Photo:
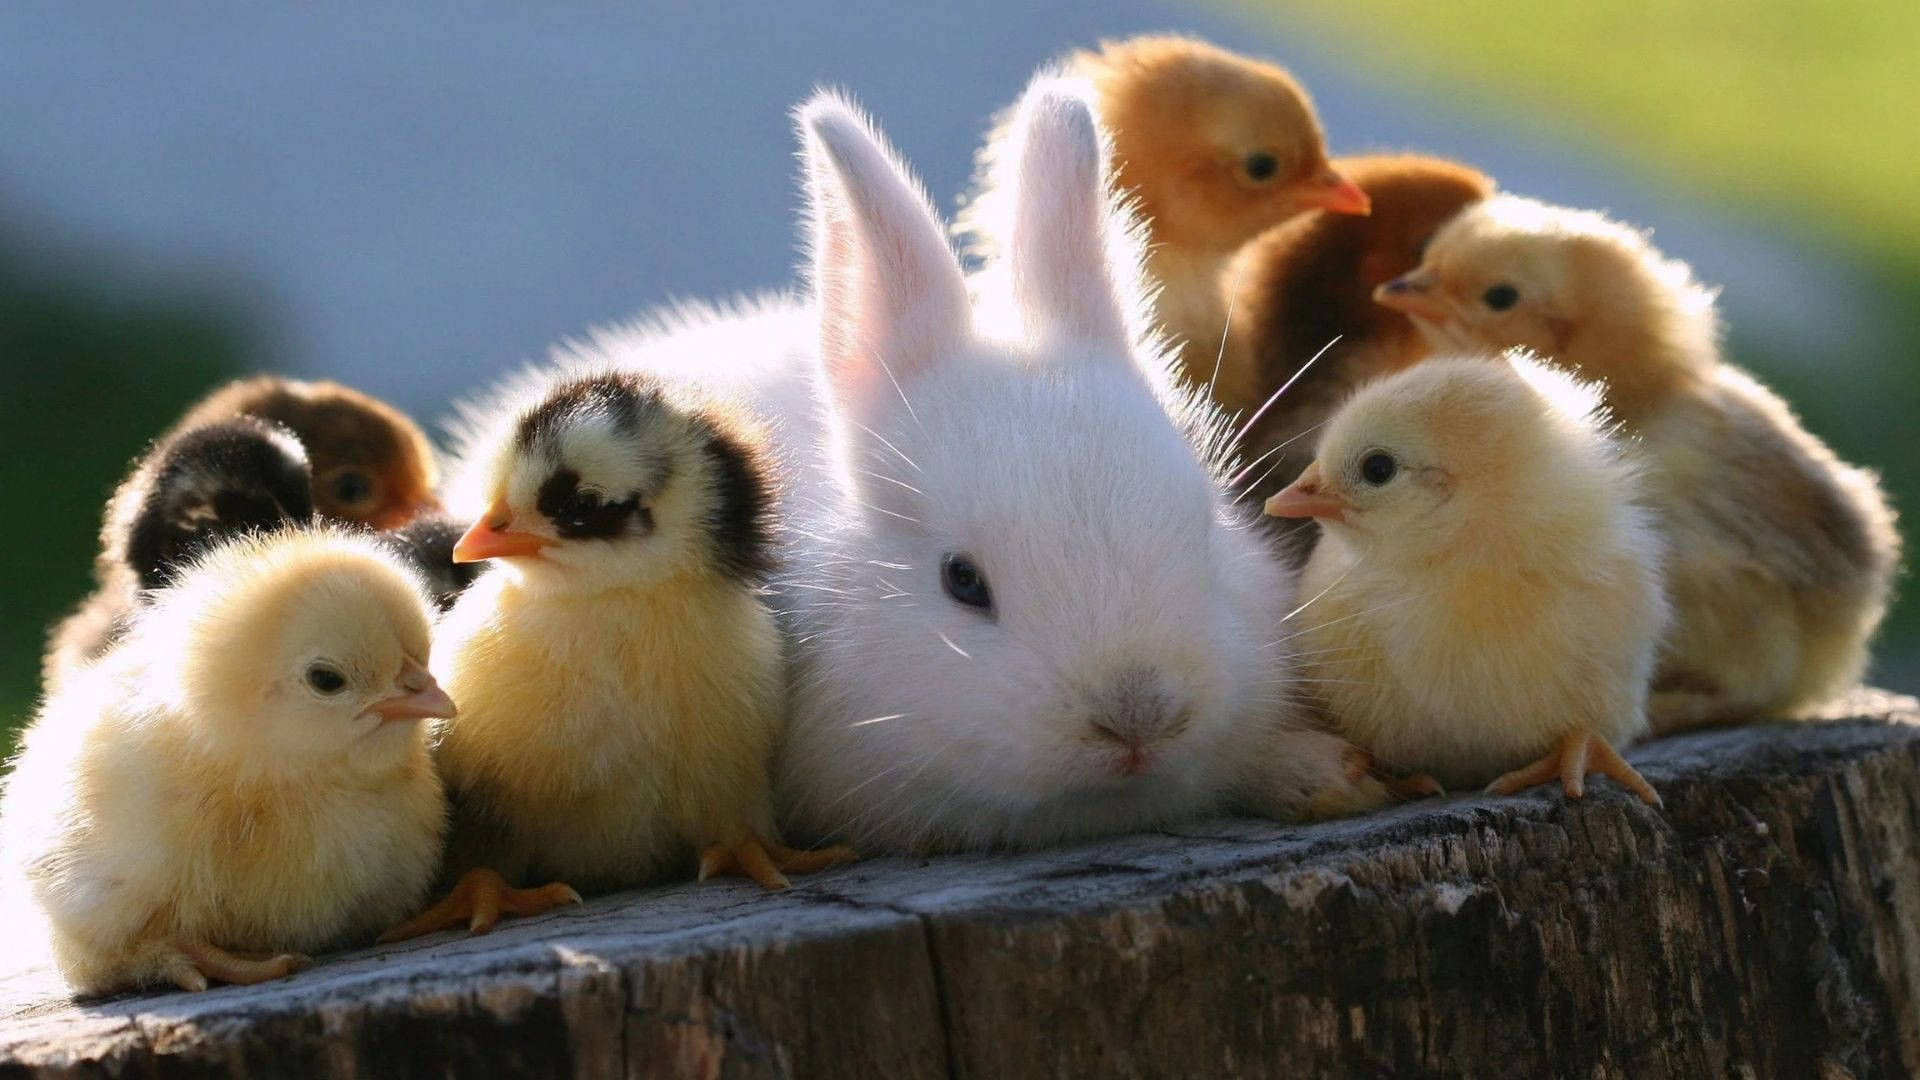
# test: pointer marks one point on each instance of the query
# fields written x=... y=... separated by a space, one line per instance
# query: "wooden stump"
x=1767 y=924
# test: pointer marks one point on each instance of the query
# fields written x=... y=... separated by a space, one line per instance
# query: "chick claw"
x=1361 y=764
x=479 y=899
x=194 y=962
x=750 y=858
x=1569 y=762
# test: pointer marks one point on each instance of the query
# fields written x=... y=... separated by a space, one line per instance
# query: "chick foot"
x=1570 y=763
x=193 y=962
x=1350 y=788
x=1408 y=786
x=479 y=899
x=764 y=864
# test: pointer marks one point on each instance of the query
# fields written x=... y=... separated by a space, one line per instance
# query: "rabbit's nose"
x=1137 y=707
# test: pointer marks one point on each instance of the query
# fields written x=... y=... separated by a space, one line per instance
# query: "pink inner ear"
x=890 y=290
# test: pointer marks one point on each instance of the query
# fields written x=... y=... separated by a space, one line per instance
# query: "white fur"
x=1035 y=430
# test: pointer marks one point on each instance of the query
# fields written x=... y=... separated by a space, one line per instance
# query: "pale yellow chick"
x=244 y=777
x=1485 y=595
x=621 y=679
x=1781 y=555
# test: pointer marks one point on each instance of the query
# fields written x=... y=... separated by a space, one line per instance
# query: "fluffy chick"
x=1782 y=556
x=242 y=778
x=1486 y=591
x=1214 y=146
x=1306 y=286
x=371 y=464
x=621 y=679
x=192 y=490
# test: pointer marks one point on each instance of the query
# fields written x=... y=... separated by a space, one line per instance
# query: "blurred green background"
x=1794 y=119
x=92 y=372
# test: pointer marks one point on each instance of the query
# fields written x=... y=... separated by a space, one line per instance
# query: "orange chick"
x=1781 y=555
x=1214 y=147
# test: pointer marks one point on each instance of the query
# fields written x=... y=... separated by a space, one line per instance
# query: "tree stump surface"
x=1765 y=924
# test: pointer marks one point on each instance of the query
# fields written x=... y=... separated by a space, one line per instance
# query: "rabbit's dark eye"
x=1261 y=165
x=1378 y=467
x=964 y=582
x=1500 y=297
x=326 y=679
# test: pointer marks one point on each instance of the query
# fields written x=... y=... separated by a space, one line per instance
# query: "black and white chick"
x=620 y=675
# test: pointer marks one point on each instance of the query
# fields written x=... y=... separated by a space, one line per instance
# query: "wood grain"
x=1766 y=924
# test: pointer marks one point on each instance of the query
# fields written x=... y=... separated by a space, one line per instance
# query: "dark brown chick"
x=1309 y=282
x=360 y=460
x=195 y=488
x=371 y=464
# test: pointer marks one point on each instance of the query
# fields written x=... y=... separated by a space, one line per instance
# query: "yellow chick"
x=1781 y=556
x=1214 y=147
x=1486 y=593
x=621 y=679
x=242 y=778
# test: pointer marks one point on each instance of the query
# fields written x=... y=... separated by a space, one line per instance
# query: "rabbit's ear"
x=892 y=299
x=1073 y=266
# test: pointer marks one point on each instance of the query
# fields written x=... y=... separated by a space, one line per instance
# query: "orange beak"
x=1306 y=499
x=1411 y=294
x=489 y=538
x=419 y=697
x=1330 y=190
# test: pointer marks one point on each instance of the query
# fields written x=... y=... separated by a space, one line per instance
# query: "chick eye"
x=585 y=505
x=1261 y=165
x=326 y=679
x=1378 y=467
x=964 y=581
x=1500 y=297
x=352 y=487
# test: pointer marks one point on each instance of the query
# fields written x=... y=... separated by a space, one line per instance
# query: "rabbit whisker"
x=954 y=647
x=891 y=480
x=1284 y=387
x=902 y=393
x=1226 y=324
x=887 y=443
x=891 y=513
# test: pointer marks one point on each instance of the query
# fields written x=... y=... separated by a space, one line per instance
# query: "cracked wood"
x=1767 y=924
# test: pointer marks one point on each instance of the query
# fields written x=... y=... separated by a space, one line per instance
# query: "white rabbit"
x=1022 y=608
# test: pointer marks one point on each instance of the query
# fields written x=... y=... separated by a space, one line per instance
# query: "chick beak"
x=419 y=697
x=490 y=538
x=1411 y=294
x=1330 y=190
x=1306 y=499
